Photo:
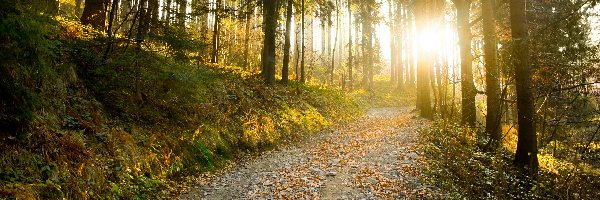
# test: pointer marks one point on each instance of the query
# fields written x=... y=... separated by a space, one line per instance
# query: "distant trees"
x=368 y=16
x=494 y=49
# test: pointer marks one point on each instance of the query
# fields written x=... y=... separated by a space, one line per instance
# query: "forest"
x=299 y=99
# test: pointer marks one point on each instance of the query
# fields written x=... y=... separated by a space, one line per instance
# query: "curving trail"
x=374 y=157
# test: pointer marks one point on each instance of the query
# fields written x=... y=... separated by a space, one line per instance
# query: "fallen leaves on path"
x=372 y=158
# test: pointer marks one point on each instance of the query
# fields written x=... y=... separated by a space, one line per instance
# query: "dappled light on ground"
x=373 y=157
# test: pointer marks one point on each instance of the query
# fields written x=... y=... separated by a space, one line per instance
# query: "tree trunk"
x=182 y=12
x=297 y=54
x=249 y=10
x=270 y=29
x=393 y=56
x=400 y=18
x=94 y=14
x=423 y=63
x=350 y=58
x=492 y=73
x=113 y=12
x=464 y=39
x=153 y=14
x=410 y=66
x=168 y=11
x=335 y=41
x=432 y=83
x=78 y=7
x=442 y=81
x=323 y=38
x=367 y=44
x=142 y=21
x=302 y=71
x=216 y=31
x=328 y=33
x=287 y=45
x=526 y=156
x=127 y=11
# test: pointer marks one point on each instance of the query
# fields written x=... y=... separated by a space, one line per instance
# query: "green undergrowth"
x=384 y=94
x=458 y=164
x=78 y=126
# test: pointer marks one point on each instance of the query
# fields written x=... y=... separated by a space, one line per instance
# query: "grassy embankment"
x=78 y=126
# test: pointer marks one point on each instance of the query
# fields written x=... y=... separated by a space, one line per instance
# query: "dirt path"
x=374 y=157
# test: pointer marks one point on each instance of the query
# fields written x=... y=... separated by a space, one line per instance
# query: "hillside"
x=78 y=126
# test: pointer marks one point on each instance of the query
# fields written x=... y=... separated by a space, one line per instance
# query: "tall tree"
x=287 y=45
x=142 y=26
x=368 y=17
x=113 y=12
x=335 y=40
x=153 y=8
x=94 y=13
x=126 y=14
x=270 y=29
x=216 y=33
x=492 y=73
x=182 y=12
x=400 y=44
x=423 y=13
x=302 y=70
x=350 y=76
x=167 y=11
x=526 y=159
x=410 y=61
x=249 y=12
x=463 y=8
x=394 y=57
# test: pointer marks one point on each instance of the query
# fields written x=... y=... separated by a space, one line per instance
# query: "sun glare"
x=429 y=39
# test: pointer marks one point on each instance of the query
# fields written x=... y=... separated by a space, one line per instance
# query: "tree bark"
x=464 y=39
x=94 y=14
x=78 y=7
x=125 y=14
x=410 y=59
x=142 y=21
x=424 y=64
x=335 y=41
x=270 y=29
x=367 y=41
x=182 y=12
x=216 y=31
x=249 y=10
x=393 y=56
x=350 y=58
x=153 y=14
x=526 y=156
x=400 y=18
x=287 y=45
x=113 y=12
x=168 y=11
x=302 y=71
x=492 y=73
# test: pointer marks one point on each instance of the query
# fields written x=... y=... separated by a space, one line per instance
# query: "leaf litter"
x=374 y=157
